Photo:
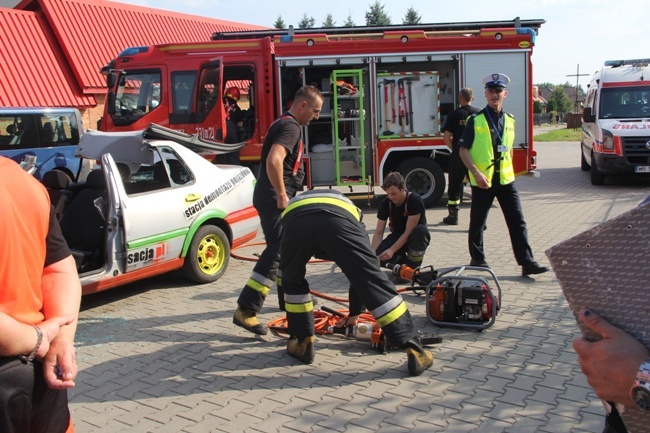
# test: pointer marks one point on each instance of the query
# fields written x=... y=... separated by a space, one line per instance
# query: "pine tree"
x=329 y=21
x=411 y=17
x=349 y=22
x=279 y=23
x=376 y=16
x=306 y=22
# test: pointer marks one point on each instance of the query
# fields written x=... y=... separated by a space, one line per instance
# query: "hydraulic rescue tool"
x=455 y=298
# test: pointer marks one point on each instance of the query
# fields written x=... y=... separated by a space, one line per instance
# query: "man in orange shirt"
x=40 y=295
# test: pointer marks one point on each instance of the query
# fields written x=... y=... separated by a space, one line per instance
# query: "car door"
x=154 y=206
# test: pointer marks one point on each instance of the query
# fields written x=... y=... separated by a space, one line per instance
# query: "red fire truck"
x=387 y=92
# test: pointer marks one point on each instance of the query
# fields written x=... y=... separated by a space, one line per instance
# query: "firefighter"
x=486 y=150
x=405 y=214
x=234 y=126
x=280 y=176
x=454 y=126
x=326 y=224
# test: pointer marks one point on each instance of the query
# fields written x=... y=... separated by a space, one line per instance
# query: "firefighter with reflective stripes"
x=326 y=224
x=486 y=150
x=281 y=175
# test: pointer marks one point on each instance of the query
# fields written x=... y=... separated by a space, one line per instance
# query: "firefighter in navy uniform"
x=486 y=150
x=326 y=224
x=281 y=175
x=234 y=121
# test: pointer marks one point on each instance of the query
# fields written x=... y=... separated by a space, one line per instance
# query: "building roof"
x=73 y=39
x=29 y=47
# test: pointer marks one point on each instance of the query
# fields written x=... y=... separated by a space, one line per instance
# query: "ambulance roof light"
x=635 y=62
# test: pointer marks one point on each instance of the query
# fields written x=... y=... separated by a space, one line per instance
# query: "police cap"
x=496 y=81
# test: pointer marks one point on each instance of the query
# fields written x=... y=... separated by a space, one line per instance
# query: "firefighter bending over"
x=404 y=211
x=328 y=225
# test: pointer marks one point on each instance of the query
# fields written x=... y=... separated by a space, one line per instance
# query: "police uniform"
x=327 y=224
x=489 y=136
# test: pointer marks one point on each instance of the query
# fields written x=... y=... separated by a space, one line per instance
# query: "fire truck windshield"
x=137 y=94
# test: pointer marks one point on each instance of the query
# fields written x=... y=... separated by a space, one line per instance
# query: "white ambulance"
x=616 y=120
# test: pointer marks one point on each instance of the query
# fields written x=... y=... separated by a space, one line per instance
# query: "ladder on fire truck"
x=367 y=32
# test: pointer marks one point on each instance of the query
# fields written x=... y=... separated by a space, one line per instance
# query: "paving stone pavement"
x=164 y=356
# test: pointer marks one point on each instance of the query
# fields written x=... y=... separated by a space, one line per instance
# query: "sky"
x=578 y=36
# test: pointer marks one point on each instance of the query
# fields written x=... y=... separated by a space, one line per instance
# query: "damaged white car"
x=154 y=205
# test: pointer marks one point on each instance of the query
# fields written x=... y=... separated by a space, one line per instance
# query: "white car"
x=153 y=206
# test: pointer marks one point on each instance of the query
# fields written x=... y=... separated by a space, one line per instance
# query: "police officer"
x=281 y=175
x=328 y=225
x=454 y=127
x=486 y=150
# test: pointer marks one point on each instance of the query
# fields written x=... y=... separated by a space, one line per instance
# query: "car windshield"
x=625 y=102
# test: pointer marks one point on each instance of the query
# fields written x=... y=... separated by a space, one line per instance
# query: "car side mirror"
x=587 y=115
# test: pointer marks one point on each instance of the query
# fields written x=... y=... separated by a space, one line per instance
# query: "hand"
x=59 y=365
x=482 y=181
x=386 y=255
x=610 y=364
x=347 y=321
x=50 y=329
x=282 y=201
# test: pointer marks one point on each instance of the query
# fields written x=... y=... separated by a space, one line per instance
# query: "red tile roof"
x=73 y=39
x=33 y=70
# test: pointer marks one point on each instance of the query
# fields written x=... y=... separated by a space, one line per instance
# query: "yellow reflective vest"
x=482 y=151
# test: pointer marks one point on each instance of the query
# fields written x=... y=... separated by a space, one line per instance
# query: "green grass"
x=560 y=134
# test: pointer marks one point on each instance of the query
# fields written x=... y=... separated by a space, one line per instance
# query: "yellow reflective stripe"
x=395 y=314
x=299 y=308
x=258 y=287
x=453 y=202
x=354 y=211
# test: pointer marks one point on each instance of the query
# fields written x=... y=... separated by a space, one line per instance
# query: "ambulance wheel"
x=596 y=177
x=584 y=165
x=207 y=258
x=424 y=177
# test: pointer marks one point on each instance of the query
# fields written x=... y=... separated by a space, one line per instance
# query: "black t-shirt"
x=398 y=215
x=56 y=248
x=286 y=132
x=455 y=122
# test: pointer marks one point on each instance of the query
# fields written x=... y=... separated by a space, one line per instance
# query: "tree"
x=376 y=16
x=329 y=21
x=306 y=22
x=537 y=107
x=349 y=22
x=279 y=23
x=411 y=17
x=562 y=102
x=551 y=106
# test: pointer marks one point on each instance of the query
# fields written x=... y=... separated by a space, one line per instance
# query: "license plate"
x=642 y=169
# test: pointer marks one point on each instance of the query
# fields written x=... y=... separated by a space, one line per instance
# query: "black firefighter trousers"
x=345 y=242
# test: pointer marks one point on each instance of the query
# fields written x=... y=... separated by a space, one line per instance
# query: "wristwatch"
x=640 y=391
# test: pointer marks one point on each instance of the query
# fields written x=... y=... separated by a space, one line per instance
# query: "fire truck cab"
x=616 y=120
x=387 y=91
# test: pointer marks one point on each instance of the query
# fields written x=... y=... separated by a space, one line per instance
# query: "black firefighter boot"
x=452 y=218
x=419 y=359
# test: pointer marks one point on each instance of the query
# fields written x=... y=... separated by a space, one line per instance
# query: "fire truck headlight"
x=405 y=39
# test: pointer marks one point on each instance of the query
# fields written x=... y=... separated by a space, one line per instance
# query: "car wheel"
x=596 y=177
x=207 y=259
x=425 y=178
x=584 y=165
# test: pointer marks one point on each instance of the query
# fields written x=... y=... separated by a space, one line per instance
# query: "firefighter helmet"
x=233 y=93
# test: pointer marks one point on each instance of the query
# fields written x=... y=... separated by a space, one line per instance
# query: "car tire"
x=207 y=258
x=584 y=165
x=424 y=177
x=597 y=178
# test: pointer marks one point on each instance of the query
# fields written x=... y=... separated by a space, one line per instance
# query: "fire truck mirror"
x=111 y=79
x=110 y=103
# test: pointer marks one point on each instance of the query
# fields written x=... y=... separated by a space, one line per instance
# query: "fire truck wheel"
x=207 y=258
x=424 y=177
x=596 y=177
